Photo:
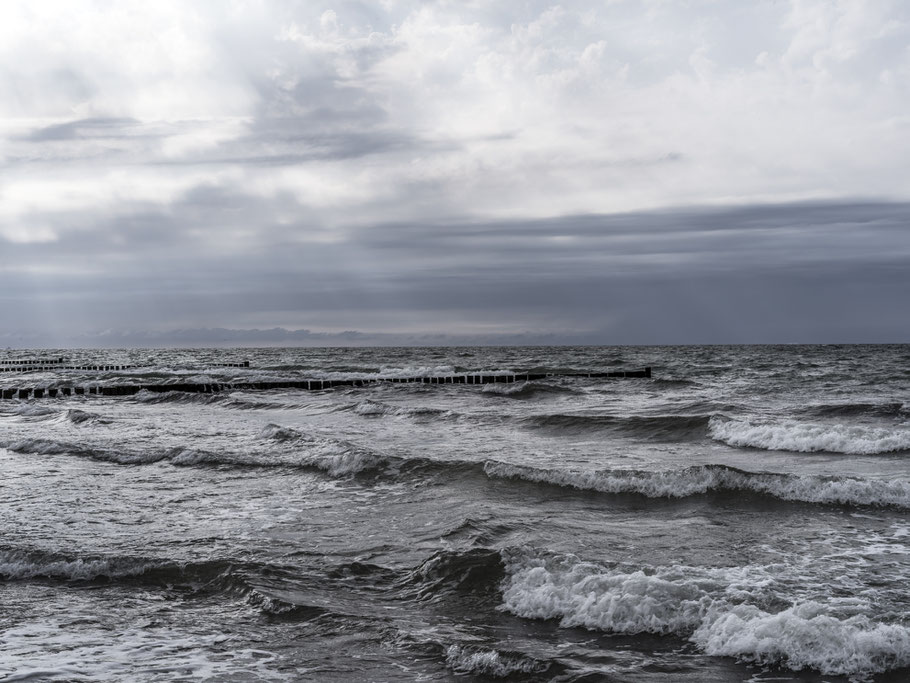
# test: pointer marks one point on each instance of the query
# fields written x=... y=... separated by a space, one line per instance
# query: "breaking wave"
x=474 y=661
x=23 y=565
x=700 y=479
x=79 y=417
x=335 y=457
x=805 y=437
x=724 y=611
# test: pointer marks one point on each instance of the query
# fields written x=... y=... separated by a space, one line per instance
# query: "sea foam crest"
x=714 y=607
x=700 y=479
x=19 y=565
x=806 y=636
x=806 y=437
x=479 y=662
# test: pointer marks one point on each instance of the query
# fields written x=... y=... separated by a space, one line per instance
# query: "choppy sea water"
x=742 y=515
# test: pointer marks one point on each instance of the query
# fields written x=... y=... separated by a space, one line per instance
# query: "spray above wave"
x=702 y=479
x=725 y=611
x=802 y=437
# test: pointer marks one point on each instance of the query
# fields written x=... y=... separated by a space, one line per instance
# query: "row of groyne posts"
x=37 y=364
x=24 y=393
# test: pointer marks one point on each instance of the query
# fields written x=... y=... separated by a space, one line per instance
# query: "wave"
x=20 y=565
x=337 y=458
x=157 y=397
x=370 y=408
x=525 y=390
x=477 y=571
x=30 y=411
x=80 y=417
x=342 y=459
x=260 y=585
x=724 y=611
x=241 y=403
x=658 y=428
x=279 y=433
x=805 y=437
x=474 y=661
x=806 y=636
x=670 y=382
x=888 y=409
x=701 y=479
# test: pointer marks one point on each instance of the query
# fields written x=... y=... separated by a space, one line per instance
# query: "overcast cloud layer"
x=177 y=173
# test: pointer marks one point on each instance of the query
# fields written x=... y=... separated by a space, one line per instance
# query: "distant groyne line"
x=63 y=390
x=34 y=365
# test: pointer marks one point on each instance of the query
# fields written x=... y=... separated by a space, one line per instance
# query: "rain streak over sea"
x=740 y=515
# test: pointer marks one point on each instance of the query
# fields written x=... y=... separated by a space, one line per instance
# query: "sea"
x=741 y=515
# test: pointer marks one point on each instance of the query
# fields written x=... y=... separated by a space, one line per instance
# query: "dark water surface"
x=743 y=515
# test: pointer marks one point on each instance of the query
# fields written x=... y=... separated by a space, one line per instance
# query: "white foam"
x=477 y=662
x=667 y=483
x=717 y=608
x=806 y=636
x=668 y=600
x=806 y=437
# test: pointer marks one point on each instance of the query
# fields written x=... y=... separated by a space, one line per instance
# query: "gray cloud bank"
x=804 y=272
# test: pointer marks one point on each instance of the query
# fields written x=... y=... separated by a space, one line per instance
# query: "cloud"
x=413 y=165
x=796 y=272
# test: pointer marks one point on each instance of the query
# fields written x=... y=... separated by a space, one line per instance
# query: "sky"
x=201 y=173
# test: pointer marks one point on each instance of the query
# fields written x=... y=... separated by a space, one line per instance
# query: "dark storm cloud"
x=790 y=273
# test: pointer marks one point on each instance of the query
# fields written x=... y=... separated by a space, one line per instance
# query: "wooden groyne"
x=34 y=365
x=97 y=368
x=23 y=393
x=33 y=361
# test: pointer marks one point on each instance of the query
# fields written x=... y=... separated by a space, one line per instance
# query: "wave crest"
x=524 y=390
x=701 y=479
x=805 y=437
x=806 y=636
x=718 y=609
x=471 y=661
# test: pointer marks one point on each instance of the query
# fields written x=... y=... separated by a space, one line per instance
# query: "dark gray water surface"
x=740 y=516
